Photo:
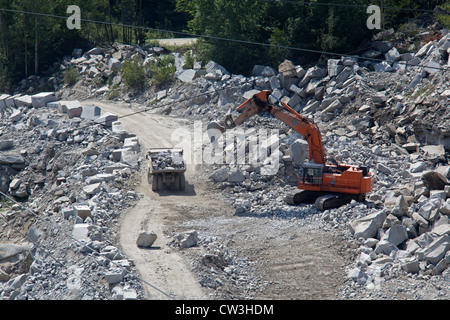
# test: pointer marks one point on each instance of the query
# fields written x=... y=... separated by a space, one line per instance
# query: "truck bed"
x=163 y=160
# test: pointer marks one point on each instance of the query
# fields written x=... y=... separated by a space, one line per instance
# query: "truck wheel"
x=182 y=182
x=154 y=182
x=160 y=182
x=176 y=184
x=149 y=177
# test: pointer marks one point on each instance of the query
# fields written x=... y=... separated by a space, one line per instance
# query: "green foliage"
x=99 y=81
x=310 y=27
x=278 y=38
x=275 y=23
x=188 y=60
x=133 y=73
x=444 y=19
x=71 y=76
x=162 y=69
x=235 y=19
x=153 y=43
x=19 y=33
x=113 y=93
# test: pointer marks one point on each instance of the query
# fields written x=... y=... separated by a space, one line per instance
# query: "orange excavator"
x=327 y=184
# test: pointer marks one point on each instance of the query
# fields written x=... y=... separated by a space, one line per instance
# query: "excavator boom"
x=259 y=103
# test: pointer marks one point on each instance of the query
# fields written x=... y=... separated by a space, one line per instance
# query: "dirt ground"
x=291 y=259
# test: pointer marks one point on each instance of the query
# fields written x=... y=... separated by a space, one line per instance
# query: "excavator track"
x=335 y=200
x=322 y=200
x=304 y=196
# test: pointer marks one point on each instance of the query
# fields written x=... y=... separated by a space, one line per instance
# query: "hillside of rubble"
x=69 y=173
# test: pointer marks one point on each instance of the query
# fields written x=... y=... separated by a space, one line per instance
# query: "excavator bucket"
x=215 y=129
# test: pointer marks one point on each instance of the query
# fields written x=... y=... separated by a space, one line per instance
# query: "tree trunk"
x=110 y=21
x=124 y=35
x=25 y=52
x=36 y=46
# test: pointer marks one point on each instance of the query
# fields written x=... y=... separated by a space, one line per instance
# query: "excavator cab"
x=311 y=174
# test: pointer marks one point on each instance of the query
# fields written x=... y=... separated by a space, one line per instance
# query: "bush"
x=71 y=76
x=163 y=69
x=188 y=60
x=444 y=19
x=112 y=94
x=133 y=73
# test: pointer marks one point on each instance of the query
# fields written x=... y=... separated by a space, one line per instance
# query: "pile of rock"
x=345 y=86
x=219 y=267
x=60 y=157
x=396 y=123
x=411 y=232
x=94 y=68
x=167 y=161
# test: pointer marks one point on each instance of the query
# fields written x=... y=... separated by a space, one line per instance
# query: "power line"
x=321 y=52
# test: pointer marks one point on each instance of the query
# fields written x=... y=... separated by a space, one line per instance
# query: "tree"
x=304 y=26
x=231 y=19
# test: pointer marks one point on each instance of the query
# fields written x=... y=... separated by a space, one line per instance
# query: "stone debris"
x=58 y=161
x=184 y=240
x=167 y=161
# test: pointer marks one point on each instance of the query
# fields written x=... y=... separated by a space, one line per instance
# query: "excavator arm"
x=259 y=103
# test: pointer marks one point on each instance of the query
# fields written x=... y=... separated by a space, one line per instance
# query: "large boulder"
x=436 y=250
x=91 y=112
x=265 y=71
x=367 y=227
x=287 y=68
x=434 y=180
x=299 y=151
x=188 y=75
x=190 y=239
x=396 y=234
x=235 y=175
x=335 y=67
x=41 y=99
x=106 y=119
x=11 y=159
x=23 y=101
x=146 y=239
x=220 y=175
x=213 y=68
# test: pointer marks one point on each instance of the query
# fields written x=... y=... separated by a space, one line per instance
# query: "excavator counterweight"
x=328 y=185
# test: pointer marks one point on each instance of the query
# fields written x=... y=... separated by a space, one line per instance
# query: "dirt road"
x=165 y=272
x=292 y=260
x=177 y=42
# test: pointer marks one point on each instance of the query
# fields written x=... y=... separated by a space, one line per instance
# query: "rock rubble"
x=67 y=192
x=395 y=119
x=391 y=115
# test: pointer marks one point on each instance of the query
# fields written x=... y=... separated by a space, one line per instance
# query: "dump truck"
x=166 y=168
